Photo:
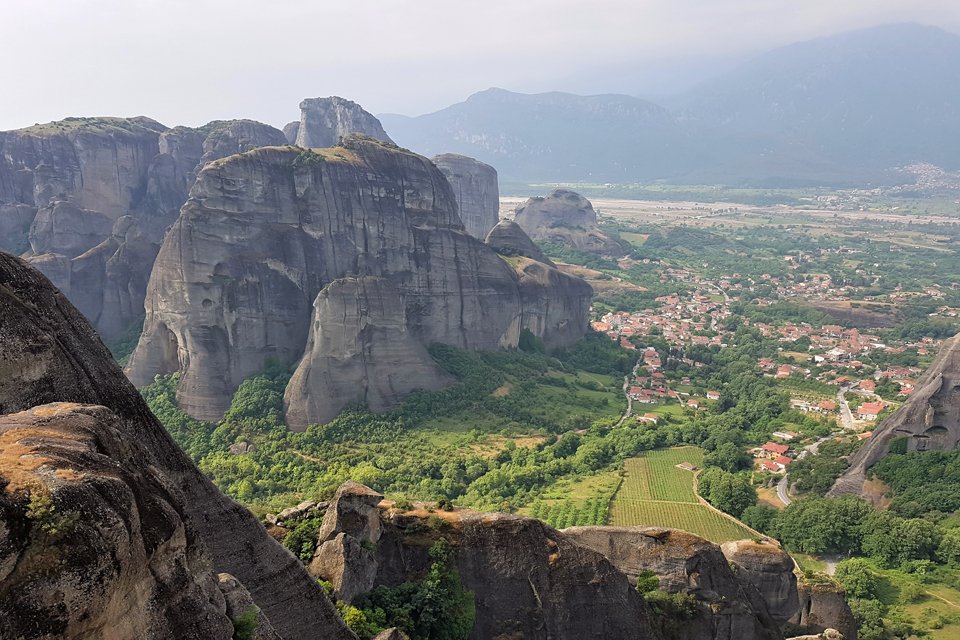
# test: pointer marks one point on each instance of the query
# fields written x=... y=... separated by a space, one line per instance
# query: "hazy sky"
x=190 y=61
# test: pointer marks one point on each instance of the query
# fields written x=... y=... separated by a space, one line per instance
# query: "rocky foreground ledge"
x=530 y=580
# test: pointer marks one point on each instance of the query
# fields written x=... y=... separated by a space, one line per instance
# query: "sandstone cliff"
x=731 y=607
x=89 y=199
x=476 y=189
x=350 y=260
x=92 y=543
x=531 y=581
x=325 y=121
x=139 y=500
x=929 y=420
x=565 y=217
x=508 y=239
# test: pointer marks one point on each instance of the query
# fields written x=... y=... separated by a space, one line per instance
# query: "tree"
x=759 y=517
x=726 y=491
x=894 y=541
x=728 y=457
x=822 y=525
x=949 y=550
x=647 y=581
x=857 y=578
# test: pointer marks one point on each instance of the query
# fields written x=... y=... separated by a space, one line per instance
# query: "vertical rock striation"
x=49 y=354
x=96 y=195
x=350 y=260
x=325 y=121
x=476 y=189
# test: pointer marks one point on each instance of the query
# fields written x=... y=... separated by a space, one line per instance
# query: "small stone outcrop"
x=350 y=261
x=476 y=189
x=290 y=131
x=928 y=421
x=139 y=497
x=391 y=634
x=771 y=570
x=240 y=606
x=730 y=608
x=565 y=217
x=508 y=239
x=326 y=121
x=92 y=543
x=824 y=606
x=351 y=526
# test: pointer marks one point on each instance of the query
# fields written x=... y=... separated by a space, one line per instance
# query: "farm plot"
x=656 y=493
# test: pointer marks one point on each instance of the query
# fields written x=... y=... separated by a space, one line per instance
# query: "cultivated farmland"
x=656 y=493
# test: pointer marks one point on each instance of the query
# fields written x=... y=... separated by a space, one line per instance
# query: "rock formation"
x=350 y=260
x=92 y=544
x=508 y=239
x=290 y=131
x=138 y=499
x=240 y=604
x=565 y=217
x=732 y=608
x=96 y=195
x=325 y=121
x=928 y=421
x=768 y=568
x=530 y=581
x=476 y=190
x=823 y=607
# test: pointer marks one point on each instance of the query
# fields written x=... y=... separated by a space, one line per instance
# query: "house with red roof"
x=870 y=410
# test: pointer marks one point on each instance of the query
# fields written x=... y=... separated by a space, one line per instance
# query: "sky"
x=192 y=61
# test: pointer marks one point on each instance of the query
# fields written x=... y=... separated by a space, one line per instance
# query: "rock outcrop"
x=476 y=189
x=325 y=121
x=121 y=453
x=823 y=607
x=240 y=606
x=98 y=194
x=928 y=421
x=508 y=239
x=350 y=260
x=92 y=543
x=290 y=131
x=531 y=581
x=731 y=608
x=565 y=217
x=771 y=570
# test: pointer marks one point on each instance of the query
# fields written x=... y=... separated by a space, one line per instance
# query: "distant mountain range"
x=843 y=110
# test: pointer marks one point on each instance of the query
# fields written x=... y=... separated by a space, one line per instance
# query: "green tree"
x=857 y=578
x=949 y=550
x=822 y=525
x=894 y=541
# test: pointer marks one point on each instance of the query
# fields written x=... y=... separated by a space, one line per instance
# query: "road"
x=626 y=389
x=782 y=491
x=846 y=416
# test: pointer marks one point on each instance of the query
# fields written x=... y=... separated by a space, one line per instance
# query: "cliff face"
x=324 y=121
x=95 y=196
x=109 y=555
x=929 y=420
x=731 y=607
x=565 y=217
x=349 y=260
x=531 y=581
x=142 y=505
x=476 y=189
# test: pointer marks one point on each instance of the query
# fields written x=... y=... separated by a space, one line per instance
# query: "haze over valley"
x=660 y=343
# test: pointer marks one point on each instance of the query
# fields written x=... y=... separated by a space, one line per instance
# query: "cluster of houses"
x=772 y=457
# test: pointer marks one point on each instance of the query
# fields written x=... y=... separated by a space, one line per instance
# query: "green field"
x=656 y=493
